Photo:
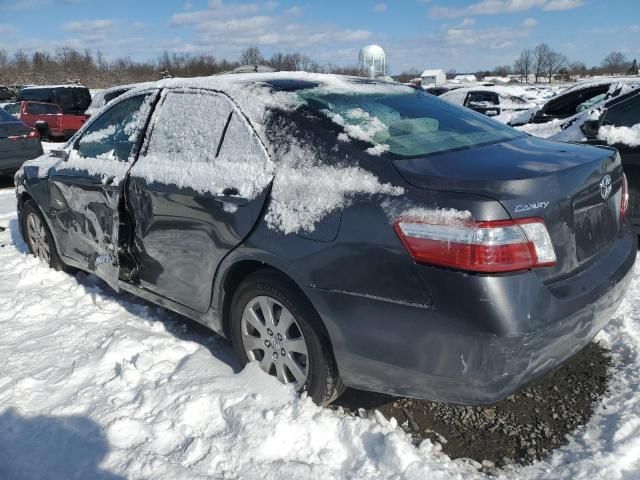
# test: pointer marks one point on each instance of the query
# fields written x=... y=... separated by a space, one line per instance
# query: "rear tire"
x=289 y=340
x=37 y=236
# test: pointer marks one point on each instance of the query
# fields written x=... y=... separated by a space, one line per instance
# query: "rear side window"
x=200 y=141
x=625 y=113
x=114 y=134
x=42 y=109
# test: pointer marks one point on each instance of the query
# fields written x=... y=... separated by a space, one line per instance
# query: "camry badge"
x=605 y=187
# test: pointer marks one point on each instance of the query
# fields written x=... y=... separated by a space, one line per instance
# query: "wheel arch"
x=237 y=272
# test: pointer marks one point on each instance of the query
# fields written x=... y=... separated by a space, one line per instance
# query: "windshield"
x=406 y=124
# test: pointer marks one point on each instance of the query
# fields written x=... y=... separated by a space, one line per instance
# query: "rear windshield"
x=407 y=124
x=72 y=100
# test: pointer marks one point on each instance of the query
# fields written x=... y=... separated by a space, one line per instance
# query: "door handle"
x=231 y=195
x=239 y=201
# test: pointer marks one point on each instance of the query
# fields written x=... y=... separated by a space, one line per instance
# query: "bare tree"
x=615 y=62
x=524 y=64
x=251 y=56
x=555 y=62
x=540 y=59
x=577 y=69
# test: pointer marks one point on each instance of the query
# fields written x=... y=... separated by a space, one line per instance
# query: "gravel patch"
x=517 y=430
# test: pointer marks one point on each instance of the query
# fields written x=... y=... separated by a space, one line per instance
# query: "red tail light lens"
x=489 y=247
x=624 y=203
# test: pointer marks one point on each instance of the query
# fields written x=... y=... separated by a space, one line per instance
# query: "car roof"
x=35 y=87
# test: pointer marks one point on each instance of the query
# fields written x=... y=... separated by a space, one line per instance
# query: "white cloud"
x=496 y=7
x=88 y=25
x=555 y=5
x=380 y=7
x=6 y=28
x=529 y=22
x=228 y=27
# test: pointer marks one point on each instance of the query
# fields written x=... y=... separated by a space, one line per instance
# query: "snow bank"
x=624 y=135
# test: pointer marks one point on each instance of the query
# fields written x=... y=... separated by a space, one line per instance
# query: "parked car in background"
x=49 y=120
x=18 y=143
x=101 y=98
x=13 y=108
x=72 y=99
x=575 y=99
x=6 y=94
x=329 y=225
x=501 y=102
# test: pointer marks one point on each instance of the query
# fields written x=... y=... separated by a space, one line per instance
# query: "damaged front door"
x=87 y=187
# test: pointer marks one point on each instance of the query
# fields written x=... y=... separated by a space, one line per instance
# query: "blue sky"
x=465 y=35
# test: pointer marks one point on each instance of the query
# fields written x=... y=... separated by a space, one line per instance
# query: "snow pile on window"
x=359 y=124
x=185 y=150
x=99 y=135
x=99 y=385
x=106 y=166
x=624 y=135
x=305 y=190
x=306 y=186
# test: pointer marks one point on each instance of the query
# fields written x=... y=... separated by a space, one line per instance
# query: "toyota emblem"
x=605 y=187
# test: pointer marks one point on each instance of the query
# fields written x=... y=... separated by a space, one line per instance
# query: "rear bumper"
x=482 y=338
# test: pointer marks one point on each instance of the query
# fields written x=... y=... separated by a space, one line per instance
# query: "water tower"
x=372 y=58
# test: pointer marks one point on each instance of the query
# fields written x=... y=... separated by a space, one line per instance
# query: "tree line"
x=544 y=63
x=93 y=69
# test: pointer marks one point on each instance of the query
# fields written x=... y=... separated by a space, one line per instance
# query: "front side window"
x=406 y=125
x=114 y=134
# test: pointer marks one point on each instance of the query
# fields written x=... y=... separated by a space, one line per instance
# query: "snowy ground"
x=99 y=385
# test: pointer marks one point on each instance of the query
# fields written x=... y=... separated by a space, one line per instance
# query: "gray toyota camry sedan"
x=342 y=231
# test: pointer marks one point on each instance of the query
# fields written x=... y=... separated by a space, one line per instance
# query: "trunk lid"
x=532 y=177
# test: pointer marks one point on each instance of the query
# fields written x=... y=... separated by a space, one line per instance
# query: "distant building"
x=433 y=78
x=465 y=78
x=373 y=59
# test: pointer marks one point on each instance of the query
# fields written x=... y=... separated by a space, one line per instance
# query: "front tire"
x=38 y=237
x=274 y=324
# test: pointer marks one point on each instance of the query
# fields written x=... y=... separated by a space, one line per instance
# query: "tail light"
x=624 y=202
x=33 y=134
x=489 y=247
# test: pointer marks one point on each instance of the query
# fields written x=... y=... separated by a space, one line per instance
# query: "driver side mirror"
x=63 y=154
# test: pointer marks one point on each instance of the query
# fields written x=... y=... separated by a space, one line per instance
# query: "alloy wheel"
x=272 y=336
x=38 y=240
